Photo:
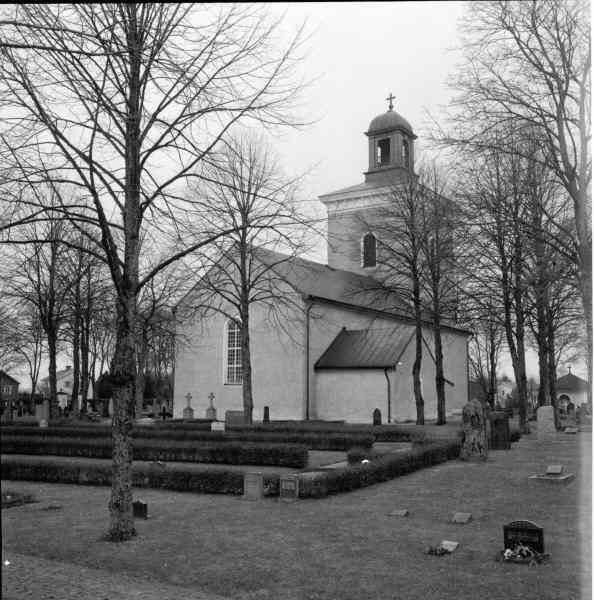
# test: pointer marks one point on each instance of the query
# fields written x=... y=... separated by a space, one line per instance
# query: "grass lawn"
x=345 y=546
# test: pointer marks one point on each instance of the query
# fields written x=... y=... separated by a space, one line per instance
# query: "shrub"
x=211 y=481
x=237 y=453
x=387 y=466
x=514 y=434
x=314 y=441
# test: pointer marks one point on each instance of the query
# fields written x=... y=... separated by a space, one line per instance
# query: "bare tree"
x=528 y=69
x=123 y=102
x=245 y=191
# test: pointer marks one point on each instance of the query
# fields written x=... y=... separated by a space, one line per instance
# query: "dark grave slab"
x=253 y=486
x=289 y=488
x=461 y=517
x=140 y=509
x=234 y=417
x=526 y=533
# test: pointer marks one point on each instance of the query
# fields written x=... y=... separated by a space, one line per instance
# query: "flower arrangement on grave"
x=521 y=553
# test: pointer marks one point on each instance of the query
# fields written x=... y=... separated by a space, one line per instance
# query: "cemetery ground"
x=344 y=546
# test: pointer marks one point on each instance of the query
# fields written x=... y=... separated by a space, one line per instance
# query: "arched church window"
x=405 y=154
x=369 y=250
x=383 y=152
x=233 y=372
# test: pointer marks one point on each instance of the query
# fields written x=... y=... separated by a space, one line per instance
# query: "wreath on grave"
x=522 y=554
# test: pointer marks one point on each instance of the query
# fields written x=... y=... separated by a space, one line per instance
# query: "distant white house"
x=64 y=383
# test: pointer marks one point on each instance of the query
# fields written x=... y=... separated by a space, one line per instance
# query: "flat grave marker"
x=401 y=512
x=554 y=474
x=570 y=430
x=554 y=470
x=253 y=486
x=289 y=488
x=462 y=518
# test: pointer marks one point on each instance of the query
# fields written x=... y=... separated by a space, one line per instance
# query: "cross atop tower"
x=389 y=99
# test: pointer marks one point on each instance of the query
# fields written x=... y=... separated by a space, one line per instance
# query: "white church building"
x=345 y=349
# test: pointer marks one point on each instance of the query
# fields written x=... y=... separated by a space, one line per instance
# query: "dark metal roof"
x=5 y=375
x=388 y=121
x=571 y=383
x=367 y=348
x=321 y=281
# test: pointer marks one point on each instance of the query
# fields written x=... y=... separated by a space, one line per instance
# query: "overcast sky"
x=359 y=54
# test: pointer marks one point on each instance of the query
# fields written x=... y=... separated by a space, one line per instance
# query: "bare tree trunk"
x=416 y=371
x=439 y=377
x=121 y=526
x=140 y=371
x=246 y=365
x=53 y=392
x=76 y=349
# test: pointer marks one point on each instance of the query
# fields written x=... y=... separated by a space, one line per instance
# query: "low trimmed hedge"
x=231 y=453
x=388 y=466
x=313 y=440
x=212 y=481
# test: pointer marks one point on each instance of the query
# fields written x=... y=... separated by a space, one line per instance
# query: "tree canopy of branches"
x=527 y=70
x=114 y=106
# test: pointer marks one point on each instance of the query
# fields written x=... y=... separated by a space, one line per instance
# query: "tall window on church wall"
x=233 y=367
x=405 y=154
x=369 y=250
x=383 y=152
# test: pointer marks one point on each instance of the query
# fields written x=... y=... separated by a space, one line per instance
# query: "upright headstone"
x=42 y=411
x=545 y=422
x=110 y=408
x=266 y=417
x=253 y=486
x=571 y=415
x=499 y=435
x=211 y=411
x=188 y=412
x=475 y=446
x=377 y=417
x=289 y=488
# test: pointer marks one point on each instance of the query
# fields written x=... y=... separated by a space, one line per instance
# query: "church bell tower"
x=391 y=146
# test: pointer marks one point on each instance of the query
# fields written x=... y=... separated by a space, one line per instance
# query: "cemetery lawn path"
x=344 y=547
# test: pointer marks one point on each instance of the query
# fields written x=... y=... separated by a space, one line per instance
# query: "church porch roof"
x=367 y=348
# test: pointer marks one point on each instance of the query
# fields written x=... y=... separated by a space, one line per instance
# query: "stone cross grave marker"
x=289 y=488
x=188 y=412
x=211 y=411
x=526 y=533
x=253 y=486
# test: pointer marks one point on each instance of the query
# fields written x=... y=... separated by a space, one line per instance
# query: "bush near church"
x=213 y=481
x=232 y=453
x=318 y=440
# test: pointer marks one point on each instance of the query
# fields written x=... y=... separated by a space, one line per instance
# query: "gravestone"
x=253 y=486
x=377 y=417
x=234 y=417
x=571 y=430
x=461 y=518
x=526 y=533
x=43 y=423
x=475 y=446
x=188 y=412
x=554 y=474
x=289 y=488
x=554 y=470
x=110 y=408
x=499 y=436
x=217 y=426
x=401 y=512
x=140 y=509
x=42 y=411
x=545 y=422
x=571 y=415
x=266 y=417
x=211 y=411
